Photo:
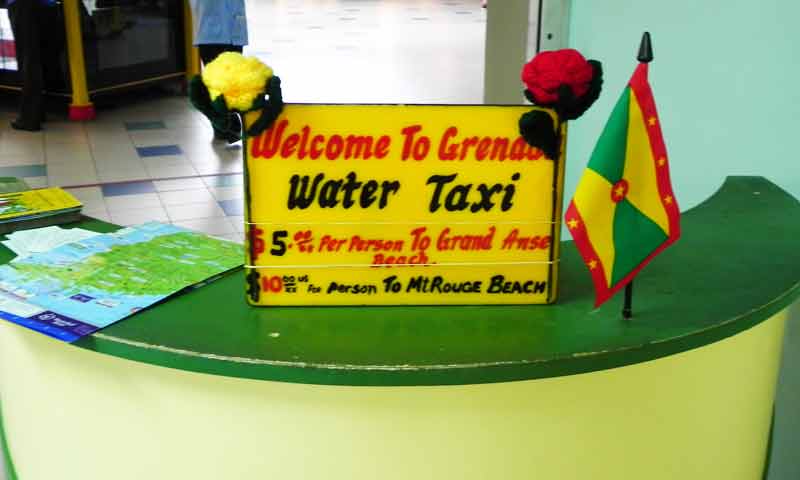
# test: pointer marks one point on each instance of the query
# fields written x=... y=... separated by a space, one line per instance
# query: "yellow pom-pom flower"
x=241 y=79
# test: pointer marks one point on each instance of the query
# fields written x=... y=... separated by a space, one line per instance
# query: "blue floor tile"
x=144 y=125
x=20 y=171
x=130 y=188
x=232 y=207
x=159 y=150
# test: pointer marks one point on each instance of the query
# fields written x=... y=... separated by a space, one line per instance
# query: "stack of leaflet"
x=37 y=208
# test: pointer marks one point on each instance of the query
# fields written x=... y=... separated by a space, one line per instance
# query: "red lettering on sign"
x=256 y=242
x=271 y=284
x=484 y=148
x=277 y=141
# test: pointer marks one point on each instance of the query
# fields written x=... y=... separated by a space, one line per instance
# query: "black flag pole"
x=645 y=49
x=627 y=311
x=645 y=56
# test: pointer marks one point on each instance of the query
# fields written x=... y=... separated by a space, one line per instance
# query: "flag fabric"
x=624 y=212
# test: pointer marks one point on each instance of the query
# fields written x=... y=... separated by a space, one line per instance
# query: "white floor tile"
x=71 y=180
x=193 y=211
x=185 y=120
x=211 y=226
x=162 y=172
x=208 y=168
x=122 y=203
x=238 y=222
x=123 y=152
x=133 y=167
x=16 y=160
x=22 y=147
x=80 y=169
x=136 y=217
x=104 y=128
x=227 y=193
x=91 y=197
x=192 y=134
x=69 y=136
x=82 y=165
x=124 y=175
x=55 y=154
x=214 y=180
x=98 y=213
x=166 y=161
x=179 y=184
x=149 y=138
x=109 y=160
x=217 y=169
x=183 y=197
x=55 y=126
x=19 y=138
x=203 y=151
x=36 y=182
x=109 y=141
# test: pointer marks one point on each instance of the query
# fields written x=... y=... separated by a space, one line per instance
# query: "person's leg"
x=24 y=17
x=209 y=52
x=234 y=48
x=54 y=59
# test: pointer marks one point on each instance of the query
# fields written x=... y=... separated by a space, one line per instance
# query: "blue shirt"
x=219 y=21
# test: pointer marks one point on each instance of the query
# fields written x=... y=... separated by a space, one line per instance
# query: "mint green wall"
x=726 y=78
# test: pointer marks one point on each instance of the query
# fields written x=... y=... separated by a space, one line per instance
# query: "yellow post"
x=80 y=108
x=192 y=55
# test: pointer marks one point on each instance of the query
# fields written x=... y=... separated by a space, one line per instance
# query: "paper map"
x=78 y=288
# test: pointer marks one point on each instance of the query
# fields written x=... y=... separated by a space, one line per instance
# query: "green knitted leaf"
x=271 y=108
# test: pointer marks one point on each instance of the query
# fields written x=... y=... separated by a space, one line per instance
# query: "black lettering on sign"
x=439 y=284
x=355 y=289
x=499 y=284
x=303 y=191
x=458 y=197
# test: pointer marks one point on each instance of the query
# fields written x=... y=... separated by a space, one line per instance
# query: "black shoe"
x=18 y=125
x=218 y=136
x=229 y=137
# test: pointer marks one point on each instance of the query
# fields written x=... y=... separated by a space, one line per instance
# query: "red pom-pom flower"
x=564 y=81
x=547 y=71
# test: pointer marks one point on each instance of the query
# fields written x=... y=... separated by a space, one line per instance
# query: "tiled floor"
x=152 y=156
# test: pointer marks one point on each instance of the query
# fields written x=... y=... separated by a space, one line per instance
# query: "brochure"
x=78 y=288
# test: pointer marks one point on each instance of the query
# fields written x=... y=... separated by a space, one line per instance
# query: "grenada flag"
x=624 y=212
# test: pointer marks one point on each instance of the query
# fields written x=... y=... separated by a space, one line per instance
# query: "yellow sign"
x=400 y=204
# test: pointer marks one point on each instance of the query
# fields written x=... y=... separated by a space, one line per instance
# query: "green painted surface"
x=736 y=265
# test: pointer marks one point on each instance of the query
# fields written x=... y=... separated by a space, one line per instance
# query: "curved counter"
x=684 y=389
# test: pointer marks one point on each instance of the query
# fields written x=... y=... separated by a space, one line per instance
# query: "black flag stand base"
x=627 y=312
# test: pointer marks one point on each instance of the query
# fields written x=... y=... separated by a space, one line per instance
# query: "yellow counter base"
x=701 y=414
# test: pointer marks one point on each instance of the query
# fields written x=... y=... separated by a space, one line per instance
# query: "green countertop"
x=737 y=264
